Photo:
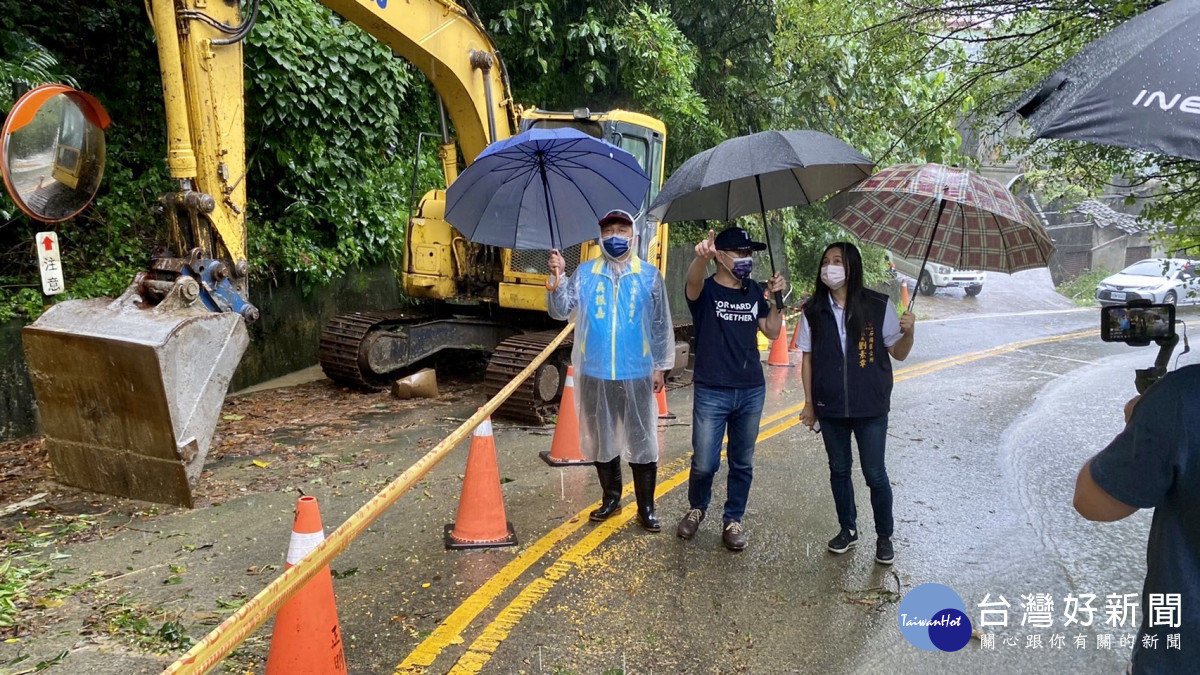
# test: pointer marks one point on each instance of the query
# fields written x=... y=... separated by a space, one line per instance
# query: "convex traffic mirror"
x=52 y=151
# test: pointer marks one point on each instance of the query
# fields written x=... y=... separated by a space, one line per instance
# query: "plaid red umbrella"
x=947 y=215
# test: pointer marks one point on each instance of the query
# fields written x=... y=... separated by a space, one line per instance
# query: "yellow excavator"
x=489 y=299
x=129 y=390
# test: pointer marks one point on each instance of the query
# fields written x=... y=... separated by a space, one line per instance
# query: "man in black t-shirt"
x=728 y=309
x=1155 y=464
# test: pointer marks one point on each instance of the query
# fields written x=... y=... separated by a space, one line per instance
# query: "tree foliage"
x=331 y=122
x=563 y=55
x=1004 y=48
x=332 y=117
x=878 y=86
x=715 y=70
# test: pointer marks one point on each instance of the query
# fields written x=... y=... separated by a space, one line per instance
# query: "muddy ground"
x=266 y=442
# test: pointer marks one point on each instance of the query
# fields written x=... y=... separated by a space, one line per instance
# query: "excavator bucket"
x=129 y=396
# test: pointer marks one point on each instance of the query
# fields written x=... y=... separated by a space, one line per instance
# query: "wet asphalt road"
x=994 y=412
x=982 y=457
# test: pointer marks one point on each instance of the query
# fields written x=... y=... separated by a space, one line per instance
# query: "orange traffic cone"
x=796 y=332
x=564 y=449
x=779 y=348
x=307 y=638
x=663 y=412
x=481 y=522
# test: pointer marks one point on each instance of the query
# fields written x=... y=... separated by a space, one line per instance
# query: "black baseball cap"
x=737 y=239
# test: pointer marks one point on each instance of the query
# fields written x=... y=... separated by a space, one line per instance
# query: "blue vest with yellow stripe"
x=614 y=320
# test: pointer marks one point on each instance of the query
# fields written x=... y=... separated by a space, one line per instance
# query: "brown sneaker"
x=734 y=536
x=689 y=524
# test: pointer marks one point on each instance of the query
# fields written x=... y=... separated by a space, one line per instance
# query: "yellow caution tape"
x=215 y=646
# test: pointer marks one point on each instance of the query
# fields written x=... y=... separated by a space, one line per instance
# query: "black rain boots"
x=645 y=479
x=610 y=484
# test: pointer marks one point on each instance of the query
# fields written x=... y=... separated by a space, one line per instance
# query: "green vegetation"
x=153 y=630
x=329 y=143
x=29 y=575
x=16 y=576
x=1082 y=289
x=332 y=118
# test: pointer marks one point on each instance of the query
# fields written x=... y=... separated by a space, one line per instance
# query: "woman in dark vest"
x=849 y=337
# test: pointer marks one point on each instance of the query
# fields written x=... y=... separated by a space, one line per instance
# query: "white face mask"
x=834 y=276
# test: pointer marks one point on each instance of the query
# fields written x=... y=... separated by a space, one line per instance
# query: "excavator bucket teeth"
x=129 y=398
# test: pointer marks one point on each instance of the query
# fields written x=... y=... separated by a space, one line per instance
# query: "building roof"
x=1104 y=215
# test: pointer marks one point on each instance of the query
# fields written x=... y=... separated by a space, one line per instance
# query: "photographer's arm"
x=1093 y=503
x=1138 y=468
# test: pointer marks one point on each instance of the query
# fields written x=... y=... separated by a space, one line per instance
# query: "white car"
x=936 y=276
x=1159 y=280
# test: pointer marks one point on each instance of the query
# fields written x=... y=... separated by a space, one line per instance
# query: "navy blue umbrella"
x=543 y=189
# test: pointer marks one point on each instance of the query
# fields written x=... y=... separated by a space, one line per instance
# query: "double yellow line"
x=449 y=632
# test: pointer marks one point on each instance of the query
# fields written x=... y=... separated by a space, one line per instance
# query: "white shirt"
x=891 y=328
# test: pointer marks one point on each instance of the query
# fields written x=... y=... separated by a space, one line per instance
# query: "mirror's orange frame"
x=23 y=112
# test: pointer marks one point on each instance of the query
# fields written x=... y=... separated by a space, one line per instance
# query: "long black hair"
x=855 y=296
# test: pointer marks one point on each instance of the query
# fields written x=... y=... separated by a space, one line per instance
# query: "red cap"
x=615 y=215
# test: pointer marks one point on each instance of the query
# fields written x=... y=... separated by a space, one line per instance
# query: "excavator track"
x=341 y=342
x=537 y=398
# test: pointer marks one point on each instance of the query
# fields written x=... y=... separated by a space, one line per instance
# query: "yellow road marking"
x=938 y=364
x=450 y=630
x=481 y=650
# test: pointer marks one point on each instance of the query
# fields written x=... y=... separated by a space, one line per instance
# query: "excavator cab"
x=129 y=390
x=496 y=298
x=441 y=265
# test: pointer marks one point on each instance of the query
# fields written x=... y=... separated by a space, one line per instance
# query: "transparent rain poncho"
x=623 y=333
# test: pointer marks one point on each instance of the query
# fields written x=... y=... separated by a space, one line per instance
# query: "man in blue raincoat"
x=624 y=346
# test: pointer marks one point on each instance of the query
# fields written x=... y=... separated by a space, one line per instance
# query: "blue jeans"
x=717 y=411
x=871 y=434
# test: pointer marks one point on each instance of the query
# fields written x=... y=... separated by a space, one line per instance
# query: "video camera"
x=1138 y=323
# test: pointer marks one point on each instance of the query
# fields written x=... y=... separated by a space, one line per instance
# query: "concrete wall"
x=287 y=336
x=1072 y=238
x=1110 y=254
x=678 y=260
x=284 y=340
x=17 y=416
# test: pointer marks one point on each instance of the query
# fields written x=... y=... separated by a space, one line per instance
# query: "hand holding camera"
x=1137 y=324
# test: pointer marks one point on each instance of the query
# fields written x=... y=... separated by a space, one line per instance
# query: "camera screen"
x=1123 y=323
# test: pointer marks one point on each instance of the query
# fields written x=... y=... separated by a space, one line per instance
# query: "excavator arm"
x=453 y=50
x=129 y=390
x=202 y=74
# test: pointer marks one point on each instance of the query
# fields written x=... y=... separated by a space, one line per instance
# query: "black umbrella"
x=760 y=172
x=1137 y=87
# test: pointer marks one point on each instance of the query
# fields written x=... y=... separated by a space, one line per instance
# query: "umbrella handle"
x=766 y=234
x=552 y=282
